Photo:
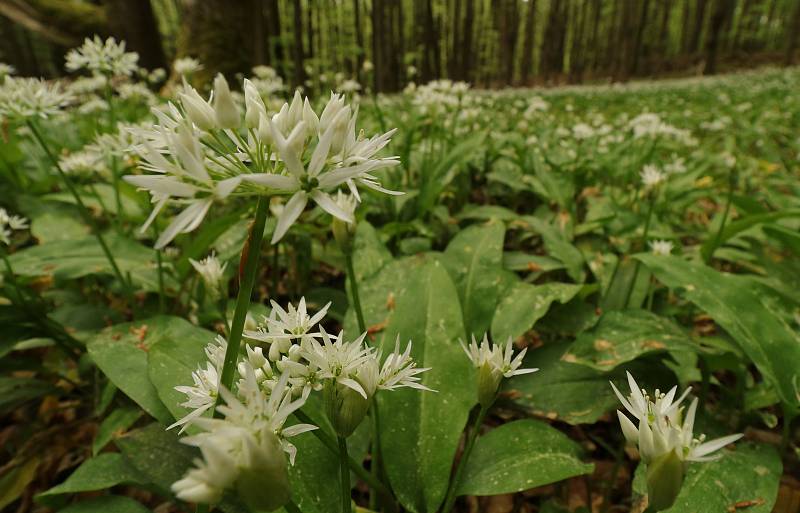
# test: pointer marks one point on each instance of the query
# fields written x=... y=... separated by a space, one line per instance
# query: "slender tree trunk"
x=637 y=46
x=298 y=71
x=260 y=35
x=276 y=51
x=467 y=50
x=526 y=67
x=714 y=30
x=697 y=29
x=794 y=36
x=359 y=38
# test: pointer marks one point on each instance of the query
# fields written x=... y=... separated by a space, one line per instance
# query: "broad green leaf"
x=750 y=474
x=175 y=353
x=618 y=295
x=121 y=353
x=16 y=479
x=574 y=393
x=106 y=504
x=116 y=422
x=624 y=335
x=98 y=473
x=369 y=253
x=77 y=258
x=415 y=299
x=523 y=304
x=559 y=247
x=519 y=261
x=57 y=222
x=521 y=455
x=737 y=227
x=157 y=455
x=474 y=259
x=770 y=343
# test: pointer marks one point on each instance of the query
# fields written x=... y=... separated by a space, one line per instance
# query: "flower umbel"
x=494 y=362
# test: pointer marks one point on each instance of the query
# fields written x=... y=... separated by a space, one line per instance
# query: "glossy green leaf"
x=523 y=304
x=770 y=343
x=116 y=422
x=474 y=259
x=740 y=225
x=121 y=353
x=157 y=455
x=750 y=474
x=559 y=247
x=574 y=393
x=98 y=473
x=416 y=299
x=176 y=352
x=624 y=335
x=107 y=504
x=521 y=455
x=77 y=258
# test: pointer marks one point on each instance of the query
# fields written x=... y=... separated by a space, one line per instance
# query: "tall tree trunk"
x=455 y=43
x=794 y=36
x=638 y=42
x=207 y=35
x=260 y=34
x=276 y=50
x=377 y=44
x=298 y=71
x=663 y=33
x=359 y=38
x=526 y=67
x=467 y=47
x=135 y=23
x=309 y=53
x=697 y=30
x=714 y=31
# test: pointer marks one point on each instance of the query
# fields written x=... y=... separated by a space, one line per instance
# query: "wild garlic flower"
x=6 y=70
x=25 y=98
x=283 y=327
x=9 y=223
x=203 y=393
x=351 y=374
x=106 y=57
x=202 y=152
x=660 y=247
x=652 y=176
x=186 y=66
x=247 y=449
x=212 y=273
x=494 y=362
x=665 y=438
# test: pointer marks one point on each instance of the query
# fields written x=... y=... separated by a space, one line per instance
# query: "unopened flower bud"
x=225 y=109
x=664 y=480
x=343 y=231
x=254 y=105
x=197 y=109
x=346 y=408
x=488 y=383
x=263 y=482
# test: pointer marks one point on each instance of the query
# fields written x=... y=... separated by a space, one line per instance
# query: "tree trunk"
x=135 y=23
x=794 y=36
x=526 y=67
x=697 y=30
x=298 y=71
x=359 y=38
x=207 y=35
x=276 y=51
x=467 y=45
x=638 y=43
x=714 y=30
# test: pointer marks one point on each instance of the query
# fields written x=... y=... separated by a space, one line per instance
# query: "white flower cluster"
x=437 y=96
x=23 y=98
x=212 y=272
x=186 y=66
x=652 y=176
x=663 y=429
x=9 y=223
x=201 y=152
x=302 y=358
x=103 y=57
x=651 y=125
x=494 y=362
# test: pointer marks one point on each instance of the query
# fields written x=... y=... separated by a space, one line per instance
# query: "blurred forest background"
x=385 y=44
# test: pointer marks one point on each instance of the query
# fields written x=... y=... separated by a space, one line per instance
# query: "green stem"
x=160 y=263
x=728 y=201
x=644 y=239
x=450 y=499
x=81 y=205
x=351 y=273
x=251 y=250
x=344 y=474
x=376 y=463
x=788 y=416
x=329 y=442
